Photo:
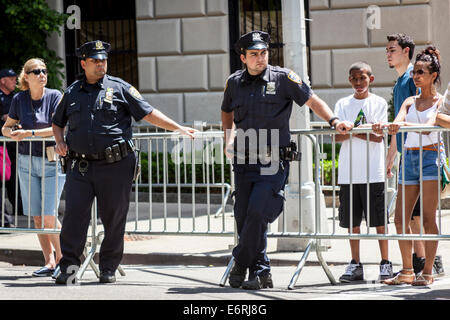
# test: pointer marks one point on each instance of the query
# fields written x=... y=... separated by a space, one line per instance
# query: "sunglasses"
x=419 y=72
x=38 y=71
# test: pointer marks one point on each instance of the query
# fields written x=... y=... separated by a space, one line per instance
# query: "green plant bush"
x=25 y=26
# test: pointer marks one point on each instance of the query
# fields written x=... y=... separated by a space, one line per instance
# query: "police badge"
x=270 y=88
x=99 y=45
x=109 y=95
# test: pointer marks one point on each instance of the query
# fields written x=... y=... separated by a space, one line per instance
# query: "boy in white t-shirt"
x=363 y=108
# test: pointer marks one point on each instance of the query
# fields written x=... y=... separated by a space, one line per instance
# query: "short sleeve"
x=338 y=111
x=138 y=107
x=59 y=116
x=383 y=115
x=445 y=107
x=226 y=102
x=14 y=109
x=297 y=90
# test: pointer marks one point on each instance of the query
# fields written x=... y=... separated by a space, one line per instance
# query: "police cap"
x=7 y=73
x=93 y=49
x=254 y=40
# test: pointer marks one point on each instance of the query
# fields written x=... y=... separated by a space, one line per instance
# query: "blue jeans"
x=38 y=186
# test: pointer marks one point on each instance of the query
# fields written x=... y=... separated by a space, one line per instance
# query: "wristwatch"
x=330 y=122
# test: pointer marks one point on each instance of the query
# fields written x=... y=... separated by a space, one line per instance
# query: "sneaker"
x=353 y=272
x=418 y=263
x=386 y=270
x=56 y=272
x=438 y=268
x=237 y=275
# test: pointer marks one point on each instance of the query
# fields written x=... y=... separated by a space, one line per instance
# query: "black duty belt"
x=111 y=154
x=288 y=153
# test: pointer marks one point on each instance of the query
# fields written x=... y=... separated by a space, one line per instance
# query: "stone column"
x=299 y=192
x=56 y=42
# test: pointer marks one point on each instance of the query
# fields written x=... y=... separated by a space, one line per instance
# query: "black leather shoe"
x=237 y=275
x=107 y=277
x=43 y=272
x=63 y=278
x=258 y=282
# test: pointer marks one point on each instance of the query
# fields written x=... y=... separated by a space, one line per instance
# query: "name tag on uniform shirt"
x=270 y=88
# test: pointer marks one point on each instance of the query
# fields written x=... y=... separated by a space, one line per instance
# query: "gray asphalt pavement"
x=202 y=283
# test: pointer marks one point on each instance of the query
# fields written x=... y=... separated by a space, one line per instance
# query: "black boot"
x=259 y=282
x=237 y=275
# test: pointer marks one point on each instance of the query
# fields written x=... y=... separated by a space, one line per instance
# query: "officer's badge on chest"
x=109 y=95
x=270 y=88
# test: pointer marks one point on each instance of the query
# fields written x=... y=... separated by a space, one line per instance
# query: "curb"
x=35 y=258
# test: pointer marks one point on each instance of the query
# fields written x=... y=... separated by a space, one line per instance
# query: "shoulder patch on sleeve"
x=133 y=91
x=294 y=77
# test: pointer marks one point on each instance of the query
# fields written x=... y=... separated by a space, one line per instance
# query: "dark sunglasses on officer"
x=38 y=71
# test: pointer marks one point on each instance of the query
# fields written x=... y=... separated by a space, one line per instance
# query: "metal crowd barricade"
x=174 y=165
x=24 y=224
x=316 y=136
x=191 y=172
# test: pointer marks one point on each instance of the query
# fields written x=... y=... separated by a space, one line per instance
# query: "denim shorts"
x=31 y=185
x=412 y=166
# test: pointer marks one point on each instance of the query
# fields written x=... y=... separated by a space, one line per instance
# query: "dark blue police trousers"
x=111 y=184
x=259 y=200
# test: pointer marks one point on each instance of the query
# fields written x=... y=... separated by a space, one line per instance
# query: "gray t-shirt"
x=445 y=107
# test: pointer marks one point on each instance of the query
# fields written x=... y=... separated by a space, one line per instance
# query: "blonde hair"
x=27 y=67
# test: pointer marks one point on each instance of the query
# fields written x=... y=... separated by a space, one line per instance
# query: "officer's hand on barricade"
x=343 y=127
x=19 y=134
x=187 y=131
x=61 y=149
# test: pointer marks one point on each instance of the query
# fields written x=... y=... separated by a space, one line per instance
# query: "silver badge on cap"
x=256 y=36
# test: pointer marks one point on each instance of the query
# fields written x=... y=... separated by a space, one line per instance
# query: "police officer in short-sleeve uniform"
x=100 y=160
x=261 y=97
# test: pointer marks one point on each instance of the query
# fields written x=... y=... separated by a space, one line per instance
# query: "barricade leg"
x=324 y=264
x=300 y=265
x=227 y=272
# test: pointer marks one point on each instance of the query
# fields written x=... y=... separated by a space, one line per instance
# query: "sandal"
x=423 y=280
x=401 y=278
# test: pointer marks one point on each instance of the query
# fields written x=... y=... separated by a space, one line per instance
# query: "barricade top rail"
x=369 y=130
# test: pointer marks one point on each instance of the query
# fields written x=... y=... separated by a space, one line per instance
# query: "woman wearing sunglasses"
x=41 y=182
x=420 y=110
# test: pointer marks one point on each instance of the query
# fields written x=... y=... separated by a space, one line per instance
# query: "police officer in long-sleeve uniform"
x=100 y=156
x=259 y=99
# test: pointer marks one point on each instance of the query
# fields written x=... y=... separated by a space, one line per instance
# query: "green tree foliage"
x=25 y=26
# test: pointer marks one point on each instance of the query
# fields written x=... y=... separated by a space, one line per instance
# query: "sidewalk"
x=24 y=249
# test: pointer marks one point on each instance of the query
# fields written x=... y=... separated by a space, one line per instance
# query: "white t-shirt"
x=370 y=110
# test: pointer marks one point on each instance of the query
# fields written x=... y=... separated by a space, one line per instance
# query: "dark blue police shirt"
x=265 y=101
x=99 y=115
x=34 y=114
x=5 y=104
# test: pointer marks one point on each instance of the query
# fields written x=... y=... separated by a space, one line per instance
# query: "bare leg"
x=419 y=246
x=384 y=246
x=354 y=245
x=411 y=194
x=430 y=197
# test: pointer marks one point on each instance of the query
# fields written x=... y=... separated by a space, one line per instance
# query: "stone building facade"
x=183 y=48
